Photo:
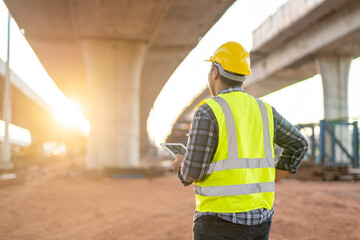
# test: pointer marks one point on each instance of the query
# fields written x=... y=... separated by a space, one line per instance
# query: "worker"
x=230 y=154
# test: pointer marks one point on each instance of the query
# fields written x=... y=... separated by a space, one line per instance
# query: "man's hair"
x=227 y=81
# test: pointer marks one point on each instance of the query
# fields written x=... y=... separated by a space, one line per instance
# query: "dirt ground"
x=49 y=200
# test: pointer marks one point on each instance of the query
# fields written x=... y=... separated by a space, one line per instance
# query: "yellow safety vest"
x=241 y=176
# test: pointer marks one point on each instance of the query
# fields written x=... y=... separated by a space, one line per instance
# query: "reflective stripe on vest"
x=234 y=162
x=231 y=190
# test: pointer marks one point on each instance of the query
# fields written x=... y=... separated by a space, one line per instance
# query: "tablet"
x=174 y=148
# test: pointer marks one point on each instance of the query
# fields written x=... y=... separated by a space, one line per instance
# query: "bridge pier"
x=113 y=75
x=334 y=70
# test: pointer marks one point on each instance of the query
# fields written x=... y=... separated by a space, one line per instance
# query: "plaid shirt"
x=202 y=145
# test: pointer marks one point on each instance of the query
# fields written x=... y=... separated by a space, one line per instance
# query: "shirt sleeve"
x=201 y=146
x=292 y=142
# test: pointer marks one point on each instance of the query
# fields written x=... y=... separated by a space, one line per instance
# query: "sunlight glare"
x=18 y=135
x=26 y=65
x=69 y=114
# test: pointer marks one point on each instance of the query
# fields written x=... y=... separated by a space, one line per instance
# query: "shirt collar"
x=231 y=89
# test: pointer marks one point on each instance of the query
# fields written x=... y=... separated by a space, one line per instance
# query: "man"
x=230 y=154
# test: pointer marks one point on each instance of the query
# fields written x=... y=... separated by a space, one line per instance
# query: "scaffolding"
x=318 y=144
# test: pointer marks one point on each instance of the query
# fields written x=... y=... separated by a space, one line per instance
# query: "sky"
x=304 y=100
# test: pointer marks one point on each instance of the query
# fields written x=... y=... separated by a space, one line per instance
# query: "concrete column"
x=113 y=73
x=6 y=146
x=334 y=71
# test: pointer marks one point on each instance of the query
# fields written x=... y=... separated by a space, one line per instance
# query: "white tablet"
x=174 y=148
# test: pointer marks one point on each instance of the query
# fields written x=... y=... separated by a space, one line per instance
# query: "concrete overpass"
x=114 y=56
x=31 y=112
x=302 y=39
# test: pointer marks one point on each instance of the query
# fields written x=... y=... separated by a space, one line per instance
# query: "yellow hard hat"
x=233 y=58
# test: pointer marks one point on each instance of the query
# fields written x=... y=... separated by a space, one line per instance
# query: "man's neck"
x=221 y=87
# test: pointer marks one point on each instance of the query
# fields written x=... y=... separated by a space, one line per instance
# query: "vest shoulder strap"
x=201 y=103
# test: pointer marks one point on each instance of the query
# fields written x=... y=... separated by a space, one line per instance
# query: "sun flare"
x=68 y=113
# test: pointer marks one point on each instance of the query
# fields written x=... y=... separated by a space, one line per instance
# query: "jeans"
x=215 y=228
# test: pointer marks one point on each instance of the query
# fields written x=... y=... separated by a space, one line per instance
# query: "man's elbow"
x=189 y=179
x=188 y=175
x=305 y=146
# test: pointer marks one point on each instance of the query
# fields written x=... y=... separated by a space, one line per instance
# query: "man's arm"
x=294 y=147
x=201 y=146
x=280 y=174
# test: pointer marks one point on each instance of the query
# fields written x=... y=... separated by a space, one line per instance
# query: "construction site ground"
x=54 y=198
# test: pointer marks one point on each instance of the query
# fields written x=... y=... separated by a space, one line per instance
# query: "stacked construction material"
x=310 y=171
x=340 y=173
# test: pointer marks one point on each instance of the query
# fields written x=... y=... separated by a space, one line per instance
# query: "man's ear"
x=216 y=73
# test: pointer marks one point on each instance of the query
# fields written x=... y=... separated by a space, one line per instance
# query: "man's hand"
x=176 y=163
x=280 y=174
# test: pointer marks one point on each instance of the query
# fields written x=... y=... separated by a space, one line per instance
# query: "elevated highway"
x=302 y=39
x=114 y=57
x=31 y=112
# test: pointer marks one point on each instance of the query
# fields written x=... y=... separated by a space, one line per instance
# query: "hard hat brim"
x=224 y=73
